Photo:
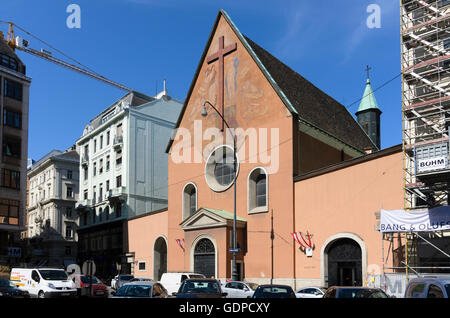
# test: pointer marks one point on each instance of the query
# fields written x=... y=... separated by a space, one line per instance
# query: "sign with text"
x=436 y=219
x=430 y=164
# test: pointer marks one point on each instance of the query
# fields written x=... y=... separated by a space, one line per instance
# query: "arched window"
x=257 y=191
x=189 y=200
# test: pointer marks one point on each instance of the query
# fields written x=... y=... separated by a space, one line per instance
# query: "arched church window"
x=189 y=200
x=257 y=191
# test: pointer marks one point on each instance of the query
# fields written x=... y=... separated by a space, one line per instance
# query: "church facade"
x=305 y=187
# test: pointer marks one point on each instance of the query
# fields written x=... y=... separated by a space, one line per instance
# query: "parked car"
x=141 y=289
x=354 y=292
x=119 y=280
x=8 y=289
x=141 y=279
x=310 y=292
x=43 y=282
x=83 y=286
x=236 y=289
x=274 y=291
x=428 y=287
x=172 y=280
x=200 y=288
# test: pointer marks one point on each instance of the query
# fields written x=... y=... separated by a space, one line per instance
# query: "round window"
x=219 y=171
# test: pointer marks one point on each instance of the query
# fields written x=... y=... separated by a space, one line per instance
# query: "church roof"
x=312 y=104
x=368 y=101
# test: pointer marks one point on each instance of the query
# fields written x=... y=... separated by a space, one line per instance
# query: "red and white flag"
x=180 y=243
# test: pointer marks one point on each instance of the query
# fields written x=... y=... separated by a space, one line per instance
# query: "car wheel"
x=41 y=294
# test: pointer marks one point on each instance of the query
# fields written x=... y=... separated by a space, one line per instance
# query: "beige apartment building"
x=14 y=103
x=52 y=219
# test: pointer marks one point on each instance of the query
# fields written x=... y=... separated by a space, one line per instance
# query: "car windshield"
x=253 y=286
x=53 y=274
x=126 y=277
x=361 y=293
x=6 y=283
x=86 y=280
x=273 y=292
x=196 y=276
x=200 y=287
x=134 y=291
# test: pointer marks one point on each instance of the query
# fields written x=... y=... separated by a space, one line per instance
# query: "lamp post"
x=234 y=273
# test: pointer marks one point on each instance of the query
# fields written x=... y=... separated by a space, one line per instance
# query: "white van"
x=43 y=282
x=172 y=281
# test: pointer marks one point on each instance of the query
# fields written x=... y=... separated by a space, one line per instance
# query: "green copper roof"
x=368 y=101
x=225 y=214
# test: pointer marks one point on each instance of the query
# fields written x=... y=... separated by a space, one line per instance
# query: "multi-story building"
x=52 y=219
x=14 y=96
x=426 y=121
x=123 y=174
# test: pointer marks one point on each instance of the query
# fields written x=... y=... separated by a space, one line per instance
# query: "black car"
x=354 y=292
x=274 y=291
x=8 y=289
x=200 y=288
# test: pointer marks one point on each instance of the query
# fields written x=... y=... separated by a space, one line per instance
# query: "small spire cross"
x=368 y=68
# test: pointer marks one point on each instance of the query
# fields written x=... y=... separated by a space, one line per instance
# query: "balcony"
x=118 y=142
x=117 y=195
x=85 y=159
x=83 y=205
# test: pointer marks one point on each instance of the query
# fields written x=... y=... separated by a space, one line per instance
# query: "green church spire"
x=368 y=101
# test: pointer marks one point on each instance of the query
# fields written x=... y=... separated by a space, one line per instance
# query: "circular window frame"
x=209 y=171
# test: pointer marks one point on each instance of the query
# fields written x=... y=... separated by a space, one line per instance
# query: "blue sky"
x=138 y=43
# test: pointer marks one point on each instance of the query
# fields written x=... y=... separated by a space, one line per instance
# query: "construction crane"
x=22 y=44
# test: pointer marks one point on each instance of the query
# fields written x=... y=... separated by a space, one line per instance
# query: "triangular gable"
x=350 y=134
x=209 y=218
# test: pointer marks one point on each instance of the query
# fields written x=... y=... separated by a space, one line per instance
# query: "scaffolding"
x=425 y=59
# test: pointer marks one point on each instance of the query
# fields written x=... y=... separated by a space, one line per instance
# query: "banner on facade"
x=436 y=219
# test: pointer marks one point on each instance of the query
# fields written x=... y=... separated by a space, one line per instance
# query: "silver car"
x=428 y=287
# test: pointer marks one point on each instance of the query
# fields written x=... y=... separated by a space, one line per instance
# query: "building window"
x=107 y=163
x=10 y=179
x=13 y=90
x=107 y=185
x=118 y=210
x=9 y=212
x=12 y=147
x=94 y=173
x=257 y=191
x=68 y=212
x=69 y=192
x=8 y=62
x=189 y=200
x=12 y=119
x=100 y=191
x=86 y=175
x=107 y=137
x=101 y=141
x=85 y=194
x=100 y=167
x=107 y=212
x=119 y=157
x=69 y=232
x=95 y=145
x=141 y=266
x=69 y=174
x=219 y=172
x=94 y=195
x=100 y=214
x=118 y=181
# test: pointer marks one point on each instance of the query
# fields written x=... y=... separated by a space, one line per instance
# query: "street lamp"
x=234 y=250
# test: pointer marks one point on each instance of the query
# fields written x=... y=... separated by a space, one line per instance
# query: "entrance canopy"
x=428 y=220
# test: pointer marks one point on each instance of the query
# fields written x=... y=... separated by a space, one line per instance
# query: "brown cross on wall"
x=220 y=55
